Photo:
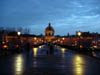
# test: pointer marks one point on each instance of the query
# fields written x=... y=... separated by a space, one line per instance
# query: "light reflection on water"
x=35 y=52
x=35 y=55
x=94 y=54
x=35 y=63
x=63 y=51
x=78 y=67
x=41 y=46
x=18 y=65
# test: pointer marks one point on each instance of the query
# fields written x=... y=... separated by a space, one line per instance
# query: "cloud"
x=69 y=15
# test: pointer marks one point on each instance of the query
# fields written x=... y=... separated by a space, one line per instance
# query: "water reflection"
x=35 y=51
x=78 y=65
x=35 y=63
x=94 y=54
x=41 y=46
x=35 y=55
x=18 y=65
x=63 y=51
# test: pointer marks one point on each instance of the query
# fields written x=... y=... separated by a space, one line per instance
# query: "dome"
x=49 y=31
x=49 y=28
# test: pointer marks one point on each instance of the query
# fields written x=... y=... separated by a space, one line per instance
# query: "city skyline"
x=65 y=16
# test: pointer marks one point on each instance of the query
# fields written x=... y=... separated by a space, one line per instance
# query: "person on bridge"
x=51 y=49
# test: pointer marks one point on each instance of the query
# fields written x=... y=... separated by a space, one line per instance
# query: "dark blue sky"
x=64 y=15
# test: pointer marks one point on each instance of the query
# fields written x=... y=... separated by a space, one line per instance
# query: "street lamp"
x=18 y=33
x=19 y=43
x=35 y=38
x=63 y=40
x=79 y=34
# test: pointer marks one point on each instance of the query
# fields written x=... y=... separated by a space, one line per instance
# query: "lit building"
x=49 y=34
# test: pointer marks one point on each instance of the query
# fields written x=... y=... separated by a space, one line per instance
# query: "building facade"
x=49 y=34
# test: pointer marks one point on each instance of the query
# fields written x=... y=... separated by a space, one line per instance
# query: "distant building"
x=49 y=34
x=86 y=39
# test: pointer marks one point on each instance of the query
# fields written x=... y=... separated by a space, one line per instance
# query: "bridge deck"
x=40 y=62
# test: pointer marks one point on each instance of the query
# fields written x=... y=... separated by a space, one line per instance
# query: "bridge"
x=39 y=61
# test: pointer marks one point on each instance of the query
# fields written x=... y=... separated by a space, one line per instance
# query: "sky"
x=65 y=16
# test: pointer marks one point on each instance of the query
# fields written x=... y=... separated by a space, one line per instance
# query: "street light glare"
x=79 y=33
x=63 y=38
x=19 y=33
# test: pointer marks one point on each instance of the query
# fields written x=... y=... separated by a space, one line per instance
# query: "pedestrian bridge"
x=39 y=61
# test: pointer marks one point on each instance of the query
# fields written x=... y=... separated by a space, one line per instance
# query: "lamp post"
x=19 y=42
x=18 y=33
x=63 y=40
x=79 y=34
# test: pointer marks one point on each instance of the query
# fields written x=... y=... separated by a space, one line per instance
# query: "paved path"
x=39 y=62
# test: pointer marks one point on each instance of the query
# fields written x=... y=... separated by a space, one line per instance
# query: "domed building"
x=49 y=34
